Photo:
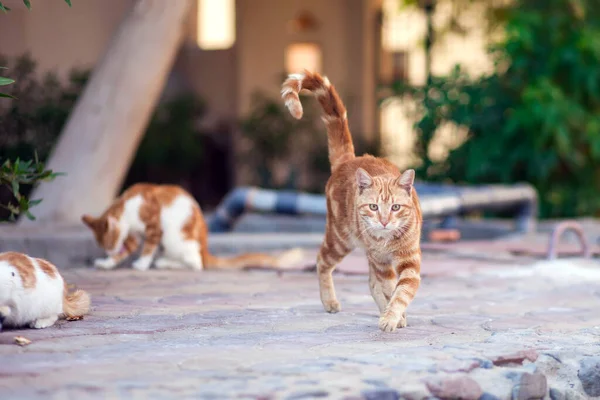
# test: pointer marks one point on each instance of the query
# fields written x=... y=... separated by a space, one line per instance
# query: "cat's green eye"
x=396 y=207
x=373 y=207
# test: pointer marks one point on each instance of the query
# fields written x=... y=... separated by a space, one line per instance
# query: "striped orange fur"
x=370 y=204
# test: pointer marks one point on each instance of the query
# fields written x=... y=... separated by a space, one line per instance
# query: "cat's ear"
x=406 y=180
x=88 y=220
x=363 y=179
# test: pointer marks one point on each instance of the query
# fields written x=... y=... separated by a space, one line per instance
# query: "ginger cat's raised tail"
x=335 y=117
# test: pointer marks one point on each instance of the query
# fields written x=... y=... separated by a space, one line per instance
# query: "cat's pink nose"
x=384 y=224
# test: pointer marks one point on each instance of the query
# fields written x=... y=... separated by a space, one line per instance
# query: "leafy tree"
x=536 y=118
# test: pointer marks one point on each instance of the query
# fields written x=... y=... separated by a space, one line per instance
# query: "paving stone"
x=529 y=386
x=556 y=394
x=455 y=387
x=308 y=395
x=459 y=366
x=516 y=358
x=589 y=375
x=381 y=394
x=488 y=396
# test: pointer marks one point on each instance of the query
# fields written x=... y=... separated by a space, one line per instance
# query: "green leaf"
x=33 y=203
x=29 y=215
x=27 y=4
x=68 y=2
x=4 y=8
x=15 y=188
x=7 y=96
x=5 y=81
x=23 y=203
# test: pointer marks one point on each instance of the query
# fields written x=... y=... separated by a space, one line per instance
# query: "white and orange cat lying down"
x=166 y=216
x=32 y=293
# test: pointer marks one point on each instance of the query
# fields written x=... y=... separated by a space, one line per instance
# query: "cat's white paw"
x=4 y=313
x=142 y=263
x=105 y=263
x=166 y=263
x=43 y=322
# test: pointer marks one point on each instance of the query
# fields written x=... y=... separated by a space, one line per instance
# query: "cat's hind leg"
x=185 y=252
x=191 y=255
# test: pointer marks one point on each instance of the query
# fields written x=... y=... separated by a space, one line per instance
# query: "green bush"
x=14 y=174
x=172 y=139
x=33 y=121
x=273 y=135
x=536 y=118
x=31 y=116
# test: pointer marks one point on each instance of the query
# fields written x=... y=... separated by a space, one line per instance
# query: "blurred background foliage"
x=536 y=118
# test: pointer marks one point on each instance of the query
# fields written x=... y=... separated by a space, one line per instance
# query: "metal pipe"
x=437 y=201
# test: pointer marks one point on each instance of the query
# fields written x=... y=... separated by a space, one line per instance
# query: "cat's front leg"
x=329 y=256
x=4 y=314
x=153 y=236
x=105 y=263
x=143 y=263
x=130 y=245
x=409 y=280
x=382 y=282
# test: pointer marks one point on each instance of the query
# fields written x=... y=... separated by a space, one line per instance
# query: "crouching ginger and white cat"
x=34 y=294
x=169 y=217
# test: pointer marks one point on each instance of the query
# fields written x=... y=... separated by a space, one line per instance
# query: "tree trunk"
x=103 y=132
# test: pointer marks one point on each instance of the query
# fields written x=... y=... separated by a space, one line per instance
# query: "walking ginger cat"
x=169 y=216
x=370 y=204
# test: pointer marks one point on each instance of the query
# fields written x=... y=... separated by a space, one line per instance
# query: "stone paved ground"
x=483 y=327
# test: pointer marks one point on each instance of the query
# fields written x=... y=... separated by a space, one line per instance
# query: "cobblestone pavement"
x=480 y=327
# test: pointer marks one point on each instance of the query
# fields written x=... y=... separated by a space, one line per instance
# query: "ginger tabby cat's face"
x=384 y=203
